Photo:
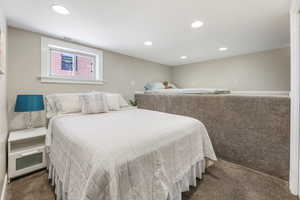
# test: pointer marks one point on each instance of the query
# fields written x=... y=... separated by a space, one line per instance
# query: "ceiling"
x=122 y=26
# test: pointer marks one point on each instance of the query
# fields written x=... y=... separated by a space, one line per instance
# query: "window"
x=71 y=65
x=64 y=62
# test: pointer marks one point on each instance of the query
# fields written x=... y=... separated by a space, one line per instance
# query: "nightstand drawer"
x=25 y=144
x=26 y=161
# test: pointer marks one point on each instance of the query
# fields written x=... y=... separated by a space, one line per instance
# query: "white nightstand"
x=26 y=151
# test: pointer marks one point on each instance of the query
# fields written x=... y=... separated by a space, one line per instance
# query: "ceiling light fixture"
x=223 y=49
x=148 y=43
x=60 y=9
x=197 y=24
x=183 y=57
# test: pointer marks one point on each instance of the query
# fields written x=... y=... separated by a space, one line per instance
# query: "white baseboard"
x=3 y=193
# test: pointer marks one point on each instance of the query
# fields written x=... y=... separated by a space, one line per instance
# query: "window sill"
x=70 y=81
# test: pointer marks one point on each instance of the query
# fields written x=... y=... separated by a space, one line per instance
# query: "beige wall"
x=24 y=58
x=3 y=101
x=268 y=70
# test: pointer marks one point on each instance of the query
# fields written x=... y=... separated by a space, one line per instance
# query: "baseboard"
x=3 y=193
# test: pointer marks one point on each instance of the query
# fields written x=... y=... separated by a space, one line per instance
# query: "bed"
x=129 y=154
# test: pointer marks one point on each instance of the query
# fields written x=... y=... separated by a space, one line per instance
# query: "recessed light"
x=197 y=24
x=148 y=43
x=223 y=49
x=183 y=57
x=60 y=9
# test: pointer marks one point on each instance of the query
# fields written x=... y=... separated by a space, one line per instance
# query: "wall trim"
x=3 y=193
x=295 y=98
x=45 y=79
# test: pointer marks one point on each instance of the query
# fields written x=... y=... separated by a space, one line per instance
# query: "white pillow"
x=116 y=101
x=63 y=104
x=50 y=106
x=93 y=103
x=113 y=101
x=122 y=101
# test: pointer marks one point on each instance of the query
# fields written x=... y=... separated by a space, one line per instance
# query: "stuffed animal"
x=167 y=86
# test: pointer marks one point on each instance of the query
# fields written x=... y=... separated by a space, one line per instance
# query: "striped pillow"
x=93 y=103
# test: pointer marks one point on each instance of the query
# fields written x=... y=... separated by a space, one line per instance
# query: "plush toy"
x=167 y=86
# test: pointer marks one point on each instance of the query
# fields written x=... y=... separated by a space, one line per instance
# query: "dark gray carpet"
x=223 y=181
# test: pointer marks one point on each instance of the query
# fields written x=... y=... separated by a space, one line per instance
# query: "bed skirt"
x=189 y=178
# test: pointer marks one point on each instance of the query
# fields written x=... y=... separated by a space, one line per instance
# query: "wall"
x=3 y=102
x=268 y=70
x=24 y=58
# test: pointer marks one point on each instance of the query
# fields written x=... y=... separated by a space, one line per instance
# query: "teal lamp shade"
x=29 y=103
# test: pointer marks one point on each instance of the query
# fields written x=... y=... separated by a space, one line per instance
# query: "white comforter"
x=126 y=155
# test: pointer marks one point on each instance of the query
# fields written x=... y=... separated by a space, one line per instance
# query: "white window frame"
x=47 y=44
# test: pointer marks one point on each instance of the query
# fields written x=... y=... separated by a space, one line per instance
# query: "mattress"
x=132 y=154
x=190 y=91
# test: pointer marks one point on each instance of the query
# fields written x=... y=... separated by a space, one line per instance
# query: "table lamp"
x=29 y=103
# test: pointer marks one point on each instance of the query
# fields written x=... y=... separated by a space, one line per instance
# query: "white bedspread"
x=189 y=91
x=126 y=155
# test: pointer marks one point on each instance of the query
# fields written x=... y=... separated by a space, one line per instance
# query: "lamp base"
x=29 y=121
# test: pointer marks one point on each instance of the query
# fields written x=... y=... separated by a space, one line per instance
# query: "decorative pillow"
x=154 y=86
x=93 y=103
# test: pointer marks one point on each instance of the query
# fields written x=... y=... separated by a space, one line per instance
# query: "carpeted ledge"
x=253 y=131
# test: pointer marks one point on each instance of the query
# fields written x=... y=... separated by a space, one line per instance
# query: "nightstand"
x=26 y=151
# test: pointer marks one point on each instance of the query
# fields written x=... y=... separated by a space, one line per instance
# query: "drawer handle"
x=29 y=153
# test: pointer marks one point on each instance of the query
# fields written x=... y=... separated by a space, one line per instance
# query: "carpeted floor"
x=223 y=181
